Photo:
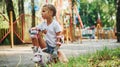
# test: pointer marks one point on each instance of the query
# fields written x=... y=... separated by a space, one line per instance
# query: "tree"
x=33 y=13
x=9 y=5
x=21 y=6
x=89 y=12
x=118 y=20
x=21 y=14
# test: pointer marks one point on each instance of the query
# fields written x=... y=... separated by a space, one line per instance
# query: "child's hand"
x=58 y=43
x=44 y=31
x=33 y=28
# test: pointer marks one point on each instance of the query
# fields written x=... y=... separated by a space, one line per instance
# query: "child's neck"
x=49 y=21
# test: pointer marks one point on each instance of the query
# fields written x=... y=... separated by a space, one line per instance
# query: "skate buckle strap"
x=34 y=36
x=60 y=36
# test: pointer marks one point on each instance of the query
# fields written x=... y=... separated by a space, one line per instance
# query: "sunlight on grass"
x=103 y=58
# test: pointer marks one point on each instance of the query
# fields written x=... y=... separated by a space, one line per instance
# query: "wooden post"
x=67 y=38
x=71 y=29
x=97 y=32
x=11 y=30
x=23 y=25
x=80 y=40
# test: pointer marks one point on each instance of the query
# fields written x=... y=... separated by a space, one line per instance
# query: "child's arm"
x=58 y=44
x=59 y=39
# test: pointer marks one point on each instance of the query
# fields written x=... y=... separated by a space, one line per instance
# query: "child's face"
x=46 y=13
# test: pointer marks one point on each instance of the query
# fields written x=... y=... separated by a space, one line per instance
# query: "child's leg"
x=41 y=41
x=35 y=42
x=62 y=57
x=34 y=36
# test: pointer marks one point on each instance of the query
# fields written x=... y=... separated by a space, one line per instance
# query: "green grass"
x=103 y=58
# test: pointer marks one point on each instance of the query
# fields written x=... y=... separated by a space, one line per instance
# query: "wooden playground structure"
x=21 y=31
x=20 y=28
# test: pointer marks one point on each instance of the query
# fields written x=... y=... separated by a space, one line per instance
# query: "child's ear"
x=51 y=13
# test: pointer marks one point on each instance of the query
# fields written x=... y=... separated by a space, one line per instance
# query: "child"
x=52 y=33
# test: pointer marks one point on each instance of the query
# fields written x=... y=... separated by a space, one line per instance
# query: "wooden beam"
x=11 y=30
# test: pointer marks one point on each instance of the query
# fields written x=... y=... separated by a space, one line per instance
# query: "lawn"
x=103 y=58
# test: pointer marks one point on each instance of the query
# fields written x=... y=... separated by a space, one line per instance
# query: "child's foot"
x=37 y=57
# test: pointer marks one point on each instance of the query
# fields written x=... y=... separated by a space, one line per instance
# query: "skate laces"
x=35 y=49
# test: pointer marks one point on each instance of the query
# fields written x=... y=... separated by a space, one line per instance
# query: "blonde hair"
x=51 y=7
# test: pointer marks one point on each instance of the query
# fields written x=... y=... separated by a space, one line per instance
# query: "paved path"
x=20 y=55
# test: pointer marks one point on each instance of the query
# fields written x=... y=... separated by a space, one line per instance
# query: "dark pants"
x=49 y=49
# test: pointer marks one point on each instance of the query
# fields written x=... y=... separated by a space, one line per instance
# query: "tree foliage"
x=89 y=12
x=9 y=5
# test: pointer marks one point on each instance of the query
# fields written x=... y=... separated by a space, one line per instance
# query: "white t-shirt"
x=52 y=29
